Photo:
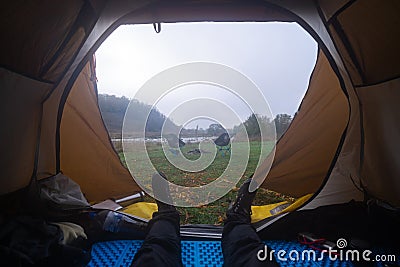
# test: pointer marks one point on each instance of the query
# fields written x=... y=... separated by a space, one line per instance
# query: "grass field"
x=212 y=213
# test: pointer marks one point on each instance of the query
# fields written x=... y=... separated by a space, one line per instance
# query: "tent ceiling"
x=368 y=35
x=33 y=34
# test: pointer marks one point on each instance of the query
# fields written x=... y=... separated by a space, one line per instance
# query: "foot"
x=161 y=192
x=242 y=204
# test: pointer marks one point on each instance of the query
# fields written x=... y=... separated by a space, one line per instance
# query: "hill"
x=113 y=110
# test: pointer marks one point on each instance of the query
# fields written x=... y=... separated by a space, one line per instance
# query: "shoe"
x=161 y=192
x=242 y=204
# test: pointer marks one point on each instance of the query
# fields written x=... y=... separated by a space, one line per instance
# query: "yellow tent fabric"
x=261 y=212
x=143 y=210
x=79 y=159
x=305 y=152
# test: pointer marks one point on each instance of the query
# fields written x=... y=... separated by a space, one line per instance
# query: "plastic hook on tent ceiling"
x=157 y=27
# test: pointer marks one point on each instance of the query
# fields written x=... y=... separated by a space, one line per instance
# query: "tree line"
x=113 y=110
x=256 y=124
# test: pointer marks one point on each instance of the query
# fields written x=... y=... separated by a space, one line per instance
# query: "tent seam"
x=340 y=10
x=10 y=69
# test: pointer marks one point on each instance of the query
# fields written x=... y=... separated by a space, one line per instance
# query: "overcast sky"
x=277 y=57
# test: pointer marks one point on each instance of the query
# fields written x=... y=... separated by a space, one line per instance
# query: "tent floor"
x=202 y=253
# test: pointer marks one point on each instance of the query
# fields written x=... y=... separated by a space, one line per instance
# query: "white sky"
x=277 y=57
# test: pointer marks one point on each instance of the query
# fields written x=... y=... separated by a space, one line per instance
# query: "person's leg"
x=240 y=242
x=162 y=245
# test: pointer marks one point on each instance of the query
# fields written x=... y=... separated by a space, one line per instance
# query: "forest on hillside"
x=113 y=110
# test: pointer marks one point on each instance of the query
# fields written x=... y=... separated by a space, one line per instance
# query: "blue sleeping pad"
x=121 y=253
x=199 y=253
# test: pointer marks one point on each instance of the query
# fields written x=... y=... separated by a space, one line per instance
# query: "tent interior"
x=341 y=146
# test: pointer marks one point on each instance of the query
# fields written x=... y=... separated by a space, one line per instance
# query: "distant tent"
x=343 y=144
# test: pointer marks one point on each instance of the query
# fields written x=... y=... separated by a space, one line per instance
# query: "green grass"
x=213 y=213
